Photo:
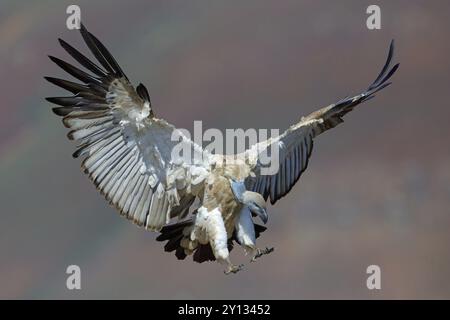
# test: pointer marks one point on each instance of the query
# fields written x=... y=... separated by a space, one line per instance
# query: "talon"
x=260 y=253
x=233 y=269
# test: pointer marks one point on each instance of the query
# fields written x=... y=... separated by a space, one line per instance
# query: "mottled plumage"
x=128 y=154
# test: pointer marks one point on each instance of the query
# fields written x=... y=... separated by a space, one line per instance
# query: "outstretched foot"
x=233 y=268
x=261 y=252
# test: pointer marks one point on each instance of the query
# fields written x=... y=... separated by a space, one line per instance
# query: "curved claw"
x=261 y=252
x=233 y=269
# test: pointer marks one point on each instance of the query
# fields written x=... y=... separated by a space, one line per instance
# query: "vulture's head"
x=253 y=200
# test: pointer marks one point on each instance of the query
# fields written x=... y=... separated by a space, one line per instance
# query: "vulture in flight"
x=128 y=154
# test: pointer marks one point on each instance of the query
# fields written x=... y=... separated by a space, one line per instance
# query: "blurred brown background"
x=376 y=192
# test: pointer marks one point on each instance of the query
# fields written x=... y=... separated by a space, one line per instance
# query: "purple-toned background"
x=377 y=190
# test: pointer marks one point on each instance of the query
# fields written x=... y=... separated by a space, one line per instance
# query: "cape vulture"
x=127 y=153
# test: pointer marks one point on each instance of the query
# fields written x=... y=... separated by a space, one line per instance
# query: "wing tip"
x=143 y=93
x=59 y=111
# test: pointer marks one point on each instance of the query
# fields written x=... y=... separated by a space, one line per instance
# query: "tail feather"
x=203 y=252
x=174 y=233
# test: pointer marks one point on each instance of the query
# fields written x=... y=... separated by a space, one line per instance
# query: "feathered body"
x=128 y=154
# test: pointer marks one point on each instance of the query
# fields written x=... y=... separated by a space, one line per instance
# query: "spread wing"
x=128 y=152
x=296 y=143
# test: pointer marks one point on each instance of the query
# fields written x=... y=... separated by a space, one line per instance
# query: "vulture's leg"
x=212 y=222
x=245 y=234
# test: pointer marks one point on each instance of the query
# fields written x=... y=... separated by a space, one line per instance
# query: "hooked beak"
x=260 y=212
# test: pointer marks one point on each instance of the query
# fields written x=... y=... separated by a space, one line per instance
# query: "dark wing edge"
x=297 y=142
x=332 y=115
x=91 y=95
x=94 y=113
